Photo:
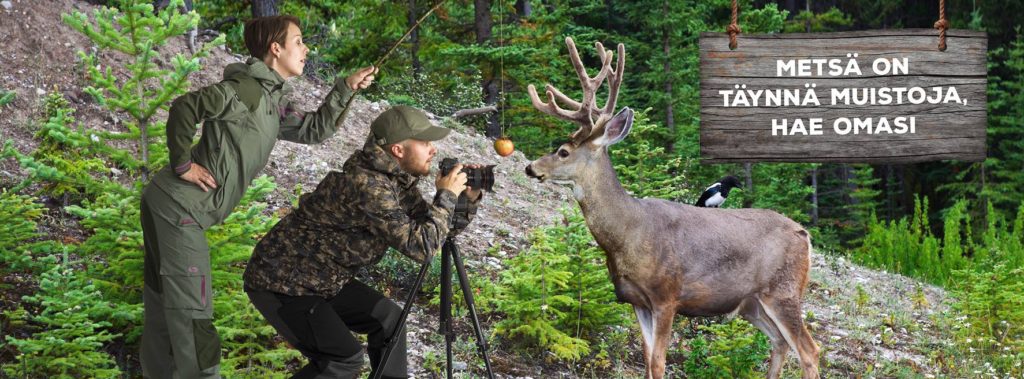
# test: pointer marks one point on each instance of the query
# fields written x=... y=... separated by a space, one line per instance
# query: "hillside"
x=861 y=318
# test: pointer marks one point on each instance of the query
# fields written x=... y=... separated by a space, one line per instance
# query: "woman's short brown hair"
x=260 y=32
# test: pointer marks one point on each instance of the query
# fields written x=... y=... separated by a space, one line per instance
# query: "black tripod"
x=449 y=253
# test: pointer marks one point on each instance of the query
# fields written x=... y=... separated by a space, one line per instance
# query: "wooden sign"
x=881 y=96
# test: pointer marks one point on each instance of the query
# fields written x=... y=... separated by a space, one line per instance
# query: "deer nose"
x=529 y=171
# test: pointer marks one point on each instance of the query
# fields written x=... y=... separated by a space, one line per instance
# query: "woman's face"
x=289 y=60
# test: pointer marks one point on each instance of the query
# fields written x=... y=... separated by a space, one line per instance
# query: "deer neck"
x=606 y=206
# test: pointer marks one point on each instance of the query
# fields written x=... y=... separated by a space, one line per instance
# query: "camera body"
x=478 y=178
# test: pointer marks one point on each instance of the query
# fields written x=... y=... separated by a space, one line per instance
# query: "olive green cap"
x=404 y=122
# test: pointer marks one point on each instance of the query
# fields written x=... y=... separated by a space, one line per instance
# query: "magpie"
x=714 y=196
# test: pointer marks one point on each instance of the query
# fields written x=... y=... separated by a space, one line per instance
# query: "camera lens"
x=479 y=178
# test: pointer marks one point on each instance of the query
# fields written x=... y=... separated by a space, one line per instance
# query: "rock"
x=6 y=4
x=40 y=91
x=459 y=366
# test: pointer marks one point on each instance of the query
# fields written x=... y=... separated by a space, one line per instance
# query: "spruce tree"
x=135 y=30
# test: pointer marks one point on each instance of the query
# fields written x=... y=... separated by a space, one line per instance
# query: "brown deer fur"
x=667 y=258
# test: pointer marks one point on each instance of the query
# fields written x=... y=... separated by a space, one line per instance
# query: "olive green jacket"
x=236 y=141
x=349 y=222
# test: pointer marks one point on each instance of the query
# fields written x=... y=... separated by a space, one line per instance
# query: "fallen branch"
x=474 y=111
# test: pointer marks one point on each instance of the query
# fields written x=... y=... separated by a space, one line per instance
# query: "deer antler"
x=586 y=113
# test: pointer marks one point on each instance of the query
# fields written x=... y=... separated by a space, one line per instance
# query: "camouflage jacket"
x=348 y=222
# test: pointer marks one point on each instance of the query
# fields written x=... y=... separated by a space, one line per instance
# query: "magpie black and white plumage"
x=714 y=196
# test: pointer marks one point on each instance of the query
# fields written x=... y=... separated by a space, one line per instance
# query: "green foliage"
x=428 y=91
x=6 y=97
x=70 y=161
x=991 y=301
x=69 y=330
x=18 y=250
x=910 y=248
x=136 y=31
x=645 y=169
x=832 y=20
x=865 y=195
x=777 y=186
x=728 y=350
x=556 y=296
x=116 y=236
x=1005 y=129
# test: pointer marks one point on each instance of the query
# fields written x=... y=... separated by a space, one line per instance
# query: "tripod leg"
x=467 y=293
x=389 y=344
x=446 y=303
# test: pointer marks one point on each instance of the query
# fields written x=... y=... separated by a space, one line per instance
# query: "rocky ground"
x=865 y=320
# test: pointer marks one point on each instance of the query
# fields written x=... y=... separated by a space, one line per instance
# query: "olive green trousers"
x=178 y=336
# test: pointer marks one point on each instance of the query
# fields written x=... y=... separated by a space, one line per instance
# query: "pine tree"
x=136 y=31
x=557 y=296
x=1006 y=126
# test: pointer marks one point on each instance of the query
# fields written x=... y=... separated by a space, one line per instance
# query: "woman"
x=243 y=116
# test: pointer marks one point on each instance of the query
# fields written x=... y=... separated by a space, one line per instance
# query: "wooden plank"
x=945 y=127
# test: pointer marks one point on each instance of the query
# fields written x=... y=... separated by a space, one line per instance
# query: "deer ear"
x=617 y=128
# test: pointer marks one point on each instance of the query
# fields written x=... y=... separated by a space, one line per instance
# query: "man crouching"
x=300 y=276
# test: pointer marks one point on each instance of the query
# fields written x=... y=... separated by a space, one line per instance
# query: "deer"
x=666 y=258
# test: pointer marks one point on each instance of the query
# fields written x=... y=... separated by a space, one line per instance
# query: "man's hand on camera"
x=199 y=176
x=455 y=181
x=473 y=194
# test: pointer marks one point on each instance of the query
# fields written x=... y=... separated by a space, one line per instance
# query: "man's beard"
x=414 y=170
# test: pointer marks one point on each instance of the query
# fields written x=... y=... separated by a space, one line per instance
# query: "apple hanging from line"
x=503 y=146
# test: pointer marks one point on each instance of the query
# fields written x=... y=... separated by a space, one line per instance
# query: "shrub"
x=69 y=330
x=729 y=350
x=557 y=296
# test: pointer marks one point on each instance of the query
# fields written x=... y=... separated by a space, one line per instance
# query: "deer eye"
x=563 y=153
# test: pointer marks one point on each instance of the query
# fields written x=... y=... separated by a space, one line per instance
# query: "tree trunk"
x=792 y=7
x=483 y=24
x=263 y=8
x=523 y=9
x=549 y=5
x=491 y=83
x=491 y=96
x=669 y=113
x=414 y=41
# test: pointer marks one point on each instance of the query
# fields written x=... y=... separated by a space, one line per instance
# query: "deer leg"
x=662 y=337
x=787 y=316
x=643 y=315
x=752 y=311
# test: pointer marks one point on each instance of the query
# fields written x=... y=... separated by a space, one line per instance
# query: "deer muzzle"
x=531 y=173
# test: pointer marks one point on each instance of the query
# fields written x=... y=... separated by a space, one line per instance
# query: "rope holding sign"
x=942 y=25
x=734 y=28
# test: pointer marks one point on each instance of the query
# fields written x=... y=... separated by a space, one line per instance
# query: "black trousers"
x=321 y=328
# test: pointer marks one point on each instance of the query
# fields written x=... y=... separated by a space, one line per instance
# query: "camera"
x=479 y=178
